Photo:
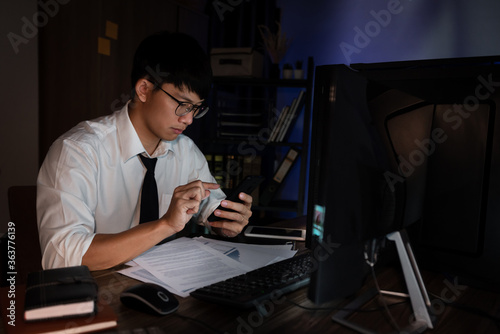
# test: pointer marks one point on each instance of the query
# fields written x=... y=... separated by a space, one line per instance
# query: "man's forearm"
x=109 y=250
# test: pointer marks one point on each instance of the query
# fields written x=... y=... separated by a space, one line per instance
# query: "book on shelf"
x=292 y=116
x=59 y=293
x=252 y=166
x=287 y=119
x=267 y=195
x=277 y=126
x=218 y=168
x=210 y=161
x=230 y=169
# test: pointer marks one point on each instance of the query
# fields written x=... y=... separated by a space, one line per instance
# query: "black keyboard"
x=247 y=290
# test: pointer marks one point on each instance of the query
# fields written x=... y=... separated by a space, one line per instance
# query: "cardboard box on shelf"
x=238 y=62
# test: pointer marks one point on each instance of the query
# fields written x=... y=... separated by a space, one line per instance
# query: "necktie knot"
x=149 y=163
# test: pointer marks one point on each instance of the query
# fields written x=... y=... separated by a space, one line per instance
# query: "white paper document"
x=184 y=265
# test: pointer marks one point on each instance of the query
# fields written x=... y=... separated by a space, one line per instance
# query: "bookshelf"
x=236 y=138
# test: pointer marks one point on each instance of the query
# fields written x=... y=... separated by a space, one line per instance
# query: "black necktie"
x=149 y=194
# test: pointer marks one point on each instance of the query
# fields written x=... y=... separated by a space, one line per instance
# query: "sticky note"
x=111 y=30
x=103 y=46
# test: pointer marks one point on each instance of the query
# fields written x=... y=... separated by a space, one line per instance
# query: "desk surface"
x=288 y=316
x=193 y=315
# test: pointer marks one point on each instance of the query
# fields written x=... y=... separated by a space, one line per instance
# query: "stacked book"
x=62 y=300
x=230 y=169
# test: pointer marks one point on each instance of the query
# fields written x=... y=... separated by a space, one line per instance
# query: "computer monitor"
x=405 y=146
x=355 y=191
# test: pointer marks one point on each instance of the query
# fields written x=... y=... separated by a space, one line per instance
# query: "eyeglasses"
x=185 y=108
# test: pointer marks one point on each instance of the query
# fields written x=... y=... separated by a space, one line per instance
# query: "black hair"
x=174 y=58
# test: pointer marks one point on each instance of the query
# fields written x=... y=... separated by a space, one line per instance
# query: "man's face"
x=160 y=114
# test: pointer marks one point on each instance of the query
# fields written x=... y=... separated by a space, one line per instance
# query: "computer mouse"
x=149 y=298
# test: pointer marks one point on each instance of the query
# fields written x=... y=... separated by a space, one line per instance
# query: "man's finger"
x=209 y=185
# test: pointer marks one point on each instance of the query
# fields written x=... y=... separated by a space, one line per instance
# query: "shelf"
x=231 y=141
x=248 y=81
x=285 y=144
x=278 y=206
x=248 y=94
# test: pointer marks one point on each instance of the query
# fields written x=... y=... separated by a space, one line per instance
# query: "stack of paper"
x=184 y=265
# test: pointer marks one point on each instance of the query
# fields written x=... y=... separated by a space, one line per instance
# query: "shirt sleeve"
x=66 y=201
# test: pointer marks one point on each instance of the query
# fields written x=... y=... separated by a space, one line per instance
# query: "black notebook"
x=60 y=293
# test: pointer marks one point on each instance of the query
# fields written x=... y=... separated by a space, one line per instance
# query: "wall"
x=347 y=31
x=19 y=129
x=19 y=96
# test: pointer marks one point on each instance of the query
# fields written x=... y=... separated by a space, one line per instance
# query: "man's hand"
x=232 y=222
x=186 y=202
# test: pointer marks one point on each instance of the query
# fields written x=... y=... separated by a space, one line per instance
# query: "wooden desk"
x=285 y=316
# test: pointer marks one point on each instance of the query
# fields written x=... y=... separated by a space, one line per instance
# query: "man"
x=89 y=186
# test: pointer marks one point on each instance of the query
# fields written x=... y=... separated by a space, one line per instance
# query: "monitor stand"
x=416 y=289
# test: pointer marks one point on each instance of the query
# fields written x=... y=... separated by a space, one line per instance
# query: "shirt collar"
x=162 y=149
x=130 y=144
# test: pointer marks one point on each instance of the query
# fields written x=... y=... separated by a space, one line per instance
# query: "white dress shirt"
x=90 y=182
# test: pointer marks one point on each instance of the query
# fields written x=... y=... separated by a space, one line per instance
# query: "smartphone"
x=247 y=186
x=275 y=233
